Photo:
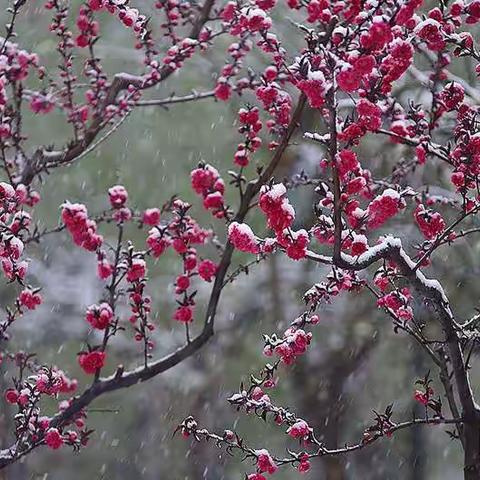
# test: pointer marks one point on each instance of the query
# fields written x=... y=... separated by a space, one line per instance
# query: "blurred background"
x=356 y=363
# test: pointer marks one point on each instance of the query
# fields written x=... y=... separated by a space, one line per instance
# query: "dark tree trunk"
x=334 y=469
x=418 y=438
x=471 y=432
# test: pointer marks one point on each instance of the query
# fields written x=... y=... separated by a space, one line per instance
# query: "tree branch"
x=42 y=157
x=432 y=291
x=120 y=380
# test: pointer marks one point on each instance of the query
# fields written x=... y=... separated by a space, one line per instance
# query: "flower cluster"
x=265 y=462
x=182 y=232
x=383 y=207
x=431 y=223
x=30 y=298
x=27 y=395
x=423 y=397
x=242 y=238
x=397 y=302
x=276 y=207
x=278 y=103
x=293 y=344
x=336 y=281
x=92 y=362
x=82 y=228
x=300 y=430
x=314 y=87
x=89 y=28
x=99 y=316
x=118 y=196
x=280 y=216
x=250 y=126
x=14 y=223
x=207 y=182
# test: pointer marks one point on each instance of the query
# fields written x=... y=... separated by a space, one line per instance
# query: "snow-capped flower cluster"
x=14 y=223
x=242 y=238
x=207 y=182
x=398 y=302
x=315 y=88
x=29 y=298
x=300 y=430
x=265 y=462
x=383 y=207
x=82 y=229
x=99 y=316
x=294 y=343
x=431 y=223
x=250 y=126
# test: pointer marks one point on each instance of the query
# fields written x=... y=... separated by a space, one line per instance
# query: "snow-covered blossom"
x=265 y=462
x=99 y=316
x=300 y=430
x=242 y=238
x=383 y=207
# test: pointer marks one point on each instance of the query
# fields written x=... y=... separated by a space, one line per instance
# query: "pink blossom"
x=207 y=270
x=53 y=439
x=347 y=162
x=265 y=462
x=11 y=396
x=304 y=465
x=369 y=115
x=91 y=361
x=137 y=270
x=383 y=208
x=30 y=299
x=104 y=268
x=99 y=316
x=423 y=397
x=242 y=238
x=158 y=241
x=348 y=79
x=151 y=216
x=183 y=314
x=118 y=196
x=430 y=31
x=430 y=223
x=359 y=244
x=223 y=91
x=299 y=429
x=42 y=103
x=314 y=87
x=182 y=283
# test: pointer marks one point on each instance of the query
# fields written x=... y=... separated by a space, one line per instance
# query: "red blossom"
x=207 y=270
x=91 y=361
x=30 y=299
x=53 y=439
x=265 y=462
x=99 y=316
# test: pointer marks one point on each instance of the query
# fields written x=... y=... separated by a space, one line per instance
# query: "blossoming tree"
x=355 y=54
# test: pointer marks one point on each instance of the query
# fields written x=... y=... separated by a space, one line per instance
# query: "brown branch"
x=120 y=379
x=449 y=392
x=440 y=239
x=431 y=148
x=322 y=451
x=333 y=149
x=121 y=81
x=432 y=291
x=395 y=428
x=175 y=99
